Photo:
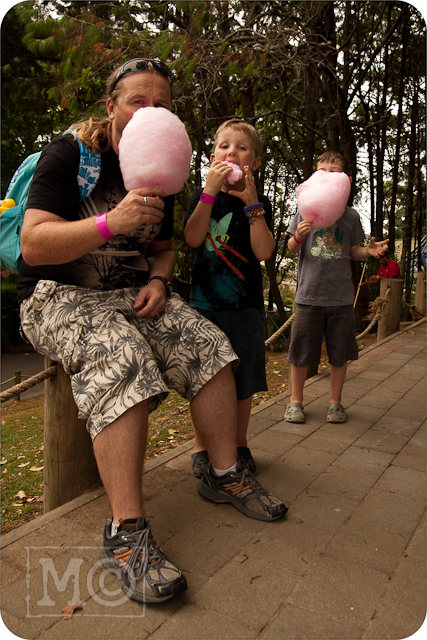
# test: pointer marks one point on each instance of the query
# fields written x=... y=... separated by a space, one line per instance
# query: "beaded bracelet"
x=297 y=241
x=255 y=214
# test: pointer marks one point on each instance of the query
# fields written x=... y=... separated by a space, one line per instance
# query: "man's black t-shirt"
x=119 y=263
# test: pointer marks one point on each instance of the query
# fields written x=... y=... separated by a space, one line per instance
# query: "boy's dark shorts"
x=337 y=324
x=246 y=331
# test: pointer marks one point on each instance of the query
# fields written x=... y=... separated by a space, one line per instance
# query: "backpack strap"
x=89 y=169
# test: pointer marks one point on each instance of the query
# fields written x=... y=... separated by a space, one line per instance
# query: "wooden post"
x=17 y=380
x=389 y=321
x=69 y=462
x=420 y=292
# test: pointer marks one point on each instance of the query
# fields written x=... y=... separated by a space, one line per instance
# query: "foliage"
x=311 y=76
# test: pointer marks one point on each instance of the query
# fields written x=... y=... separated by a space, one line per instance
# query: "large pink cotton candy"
x=323 y=197
x=235 y=175
x=155 y=150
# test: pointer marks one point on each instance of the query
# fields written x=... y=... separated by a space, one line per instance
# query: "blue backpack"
x=11 y=219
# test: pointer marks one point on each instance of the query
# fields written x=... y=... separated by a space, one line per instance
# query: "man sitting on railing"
x=121 y=335
x=388 y=269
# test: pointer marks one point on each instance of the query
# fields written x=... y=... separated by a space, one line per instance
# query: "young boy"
x=325 y=298
x=229 y=225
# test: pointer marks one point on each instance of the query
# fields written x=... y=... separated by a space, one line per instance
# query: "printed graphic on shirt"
x=218 y=232
x=327 y=244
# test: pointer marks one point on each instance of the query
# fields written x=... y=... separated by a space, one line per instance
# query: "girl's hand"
x=215 y=177
x=303 y=229
x=249 y=194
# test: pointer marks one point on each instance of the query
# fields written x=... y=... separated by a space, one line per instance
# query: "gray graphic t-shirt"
x=324 y=269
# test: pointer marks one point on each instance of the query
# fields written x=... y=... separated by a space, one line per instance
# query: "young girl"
x=229 y=226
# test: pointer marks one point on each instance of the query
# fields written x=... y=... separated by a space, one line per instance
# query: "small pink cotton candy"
x=235 y=175
x=155 y=151
x=323 y=197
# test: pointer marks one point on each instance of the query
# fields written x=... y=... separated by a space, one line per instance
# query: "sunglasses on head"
x=141 y=64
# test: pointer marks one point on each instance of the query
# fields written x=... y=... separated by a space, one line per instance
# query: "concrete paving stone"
x=181 y=462
x=364 y=460
x=411 y=457
x=409 y=410
x=172 y=512
x=397 y=356
x=393 y=623
x=258 y=425
x=407 y=588
x=208 y=544
x=419 y=438
x=301 y=624
x=23 y=627
x=399 y=426
x=192 y=621
x=83 y=629
x=396 y=512
x=284 y=483
x=344 y=482
x=373 y=374
x=161 y=479
x=295 y=547
x=303 y=458
x=376 y=399
x=300 y=430
x=381 y=441
x=414 y=370
x=318 y=389
x=276 y=439
x=359 y=382
x=346 y=592
x=377 y=547
x=272 y=413
x=322 y=440
x=397 y=382
x=403 y=482
x=242 y=582
x=323 y=511
x=357 y=423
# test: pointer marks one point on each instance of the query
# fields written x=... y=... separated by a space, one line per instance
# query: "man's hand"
x=151 y=300
x=138 y=207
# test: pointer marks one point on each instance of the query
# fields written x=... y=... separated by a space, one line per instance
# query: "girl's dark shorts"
x=246 y=331
x=337 y=324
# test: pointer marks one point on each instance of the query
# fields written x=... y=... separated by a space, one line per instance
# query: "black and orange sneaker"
x=244 y=492
x=145 y=573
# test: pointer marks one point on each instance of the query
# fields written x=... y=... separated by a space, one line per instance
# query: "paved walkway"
x=347 y=561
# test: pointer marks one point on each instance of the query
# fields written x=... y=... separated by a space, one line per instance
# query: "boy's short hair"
x=241 y=125
x=333 y=157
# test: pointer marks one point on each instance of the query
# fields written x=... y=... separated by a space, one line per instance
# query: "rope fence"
x=375 y=307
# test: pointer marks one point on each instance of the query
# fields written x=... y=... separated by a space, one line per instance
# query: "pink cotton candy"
x=155 y=151
x=323 y=197
x=235 y=175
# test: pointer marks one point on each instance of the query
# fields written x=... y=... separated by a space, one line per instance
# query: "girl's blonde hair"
x=245 y=127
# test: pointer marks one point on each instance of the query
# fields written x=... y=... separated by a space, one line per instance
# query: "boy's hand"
x=377 y=249
x=215 y=177
x=303 y=229
x=249 y=194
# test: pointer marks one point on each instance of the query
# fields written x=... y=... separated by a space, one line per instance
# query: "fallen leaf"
x=35 y=469
x=70 y=608
x=171 y=431
x=299 y=521
x=24 y=464
x=21 y=495
x=3 y=461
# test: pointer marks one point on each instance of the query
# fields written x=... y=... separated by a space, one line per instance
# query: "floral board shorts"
x=116 y=360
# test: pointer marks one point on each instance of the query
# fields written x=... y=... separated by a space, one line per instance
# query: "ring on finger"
x=145 y=201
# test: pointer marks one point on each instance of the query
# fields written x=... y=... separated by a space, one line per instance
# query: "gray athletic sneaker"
x=294 y=412
x=145 y=573
x=336 y=413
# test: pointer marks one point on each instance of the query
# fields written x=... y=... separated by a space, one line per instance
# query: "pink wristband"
x=296 y=240
x=208 y=199
x=101 y=225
